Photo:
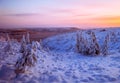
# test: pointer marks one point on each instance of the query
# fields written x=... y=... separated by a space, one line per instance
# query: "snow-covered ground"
x=60 y=63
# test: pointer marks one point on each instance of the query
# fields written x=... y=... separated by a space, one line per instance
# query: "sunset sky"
x=60 y=13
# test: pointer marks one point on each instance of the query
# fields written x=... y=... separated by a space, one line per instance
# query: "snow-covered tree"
x=8 y=47
x=78 y=42
x=29 y=56
x=28 y=38
x=23 y=44
x=81 y=43
x=40 y=45
x=94 y=44
x=105 y=45
x=113 y=37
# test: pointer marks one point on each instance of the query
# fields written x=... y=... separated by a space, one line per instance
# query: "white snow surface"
x=62 y=64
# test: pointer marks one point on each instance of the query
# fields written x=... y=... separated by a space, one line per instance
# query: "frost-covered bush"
x=81 y=43
x=29 y=56
x=105 y=45
x=113 y=37
x=8 y=47
x=23 y=44
x=24 y=41
x=95 y=48
x=87 y=46
x=28 y=38
x=79 y=39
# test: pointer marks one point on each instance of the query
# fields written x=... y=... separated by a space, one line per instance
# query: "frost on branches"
x=8 y=47
x=87 y=46
x=29 y=56
x=105 y=45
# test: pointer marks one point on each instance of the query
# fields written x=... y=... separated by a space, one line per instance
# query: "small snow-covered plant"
x=118 y=33
x=34 y=52
x=78 y=42
x=94 y=44
x=81 y=43
x=40 y=45
x=8 y=47
x=105 y=45
x=28 y=38
x=23 y=44
x=113 y=37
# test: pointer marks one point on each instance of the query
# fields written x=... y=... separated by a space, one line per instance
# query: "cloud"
x=62 y=10
x=84 y=15
x=22 y=14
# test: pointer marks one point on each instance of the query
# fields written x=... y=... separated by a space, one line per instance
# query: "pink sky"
x=77 y=13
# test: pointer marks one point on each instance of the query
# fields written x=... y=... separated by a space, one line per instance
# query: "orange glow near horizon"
x=75 y=13
x=113 y=21
x=103 y=21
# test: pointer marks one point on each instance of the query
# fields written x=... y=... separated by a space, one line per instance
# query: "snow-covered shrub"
x=87 y=46
x=40 y=45
x=8 y=47
x=34 y=54
x=79 y=41
x=105 y=45
x=94 y=44
x=113 y=37
x=29 y=56
x=23 y=44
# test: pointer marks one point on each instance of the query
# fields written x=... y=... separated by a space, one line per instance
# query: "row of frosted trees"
x=90 y=46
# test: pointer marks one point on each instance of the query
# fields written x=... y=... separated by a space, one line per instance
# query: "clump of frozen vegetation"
x=90 y=46
x=23 y=44
x=28 y=38
x=87 y=46
x=8 y=47
x=29 y=55
x=113 y=37
x=105 y=45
